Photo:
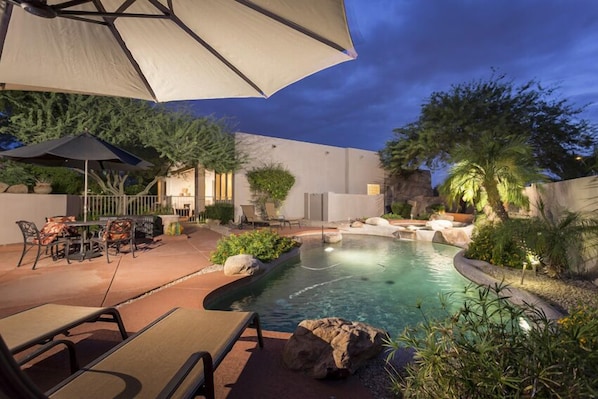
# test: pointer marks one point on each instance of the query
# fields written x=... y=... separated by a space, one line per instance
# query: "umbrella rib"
x=123 y=46
x=293 y=25
x=4 y=28
x=213 y=51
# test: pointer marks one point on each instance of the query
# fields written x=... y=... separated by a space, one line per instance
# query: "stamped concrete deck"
x=165 y=273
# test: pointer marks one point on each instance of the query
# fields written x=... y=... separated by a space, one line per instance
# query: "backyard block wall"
x=576 y=195
x=34 y=208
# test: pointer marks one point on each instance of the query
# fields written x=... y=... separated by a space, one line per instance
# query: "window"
x=373 y=189
x=224 y=186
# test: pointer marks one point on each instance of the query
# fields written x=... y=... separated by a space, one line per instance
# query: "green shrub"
x=401 y=208
x=221 y=211
x=423 y=216
x=496 y=244
x=392 y=216
x=266 y=245
x=269 y=183
x=437 y=208
x=485 y=351
x=563 y=243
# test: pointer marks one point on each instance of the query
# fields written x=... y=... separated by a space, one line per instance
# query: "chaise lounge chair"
x=249 y=216
x=39 y=325
x=173 y=357
x=273 y=215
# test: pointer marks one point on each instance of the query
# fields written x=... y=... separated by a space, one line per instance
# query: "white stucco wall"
x=317 y=169
x=31 y=207
x=363 y=168
x=576 y=195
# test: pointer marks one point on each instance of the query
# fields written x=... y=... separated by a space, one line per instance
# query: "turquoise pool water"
x=376 y=280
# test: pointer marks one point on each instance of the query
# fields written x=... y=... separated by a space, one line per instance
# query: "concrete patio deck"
x=165 y=273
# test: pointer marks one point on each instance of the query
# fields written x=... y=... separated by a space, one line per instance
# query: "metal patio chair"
x=49 y=239
x=118 y=232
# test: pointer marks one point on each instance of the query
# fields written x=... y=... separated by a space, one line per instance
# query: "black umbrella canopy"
x=73 y=151
x=83 y=151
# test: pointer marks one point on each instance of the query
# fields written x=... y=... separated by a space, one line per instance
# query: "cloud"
x=410 y=49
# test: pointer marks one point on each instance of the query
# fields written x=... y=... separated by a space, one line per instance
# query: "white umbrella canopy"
x=167 y=50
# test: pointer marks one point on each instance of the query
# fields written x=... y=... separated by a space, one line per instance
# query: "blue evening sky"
x=407 y=49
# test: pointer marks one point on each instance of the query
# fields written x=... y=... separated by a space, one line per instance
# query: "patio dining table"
x=85 y=227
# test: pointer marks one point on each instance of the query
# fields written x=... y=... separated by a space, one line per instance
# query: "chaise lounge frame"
x=41 y=324
x=173 y=357
x=249 y=216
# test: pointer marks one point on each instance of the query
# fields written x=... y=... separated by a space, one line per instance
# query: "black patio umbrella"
x=83 y=151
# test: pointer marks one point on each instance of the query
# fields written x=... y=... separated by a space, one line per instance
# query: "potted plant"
x=43 y=185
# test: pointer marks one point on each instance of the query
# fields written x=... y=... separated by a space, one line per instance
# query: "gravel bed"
x=562 y=294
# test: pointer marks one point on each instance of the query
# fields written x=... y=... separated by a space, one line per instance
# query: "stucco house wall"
x=317 y=169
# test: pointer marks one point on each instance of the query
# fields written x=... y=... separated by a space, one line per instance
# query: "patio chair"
x=173 y=357
x=273 y=215
x=48 y=238
x=117 y=232
x=249 y=216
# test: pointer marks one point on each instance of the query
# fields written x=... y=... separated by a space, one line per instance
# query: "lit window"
x=373 y=189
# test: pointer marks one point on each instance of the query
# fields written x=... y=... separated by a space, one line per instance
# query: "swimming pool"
x=376 y=280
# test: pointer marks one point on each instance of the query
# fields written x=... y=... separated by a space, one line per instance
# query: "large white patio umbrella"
x=165 y=50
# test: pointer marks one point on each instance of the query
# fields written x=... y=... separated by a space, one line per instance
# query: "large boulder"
x=18 y=189
x=377 y=221
x=242 y=264
x=331 y=238
x=437 y=225
x=460 y=237
x=331 y=347
x=3 y=187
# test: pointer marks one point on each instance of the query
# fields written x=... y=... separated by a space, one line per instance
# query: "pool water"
x=376 y=280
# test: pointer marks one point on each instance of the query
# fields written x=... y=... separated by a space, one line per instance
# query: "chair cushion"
x=118 y=230
x=50 y=232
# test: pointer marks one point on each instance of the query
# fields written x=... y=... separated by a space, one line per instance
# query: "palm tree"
x=491 y=172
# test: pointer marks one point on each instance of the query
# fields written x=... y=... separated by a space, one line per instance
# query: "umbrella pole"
x=85 y=195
